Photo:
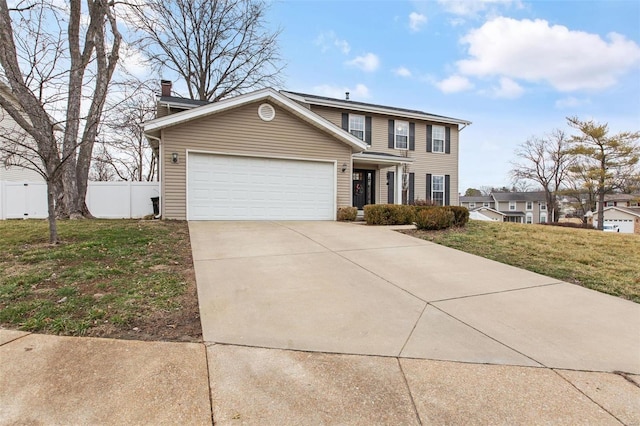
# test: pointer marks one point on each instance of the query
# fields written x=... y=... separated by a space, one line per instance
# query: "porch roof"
x=380 y=158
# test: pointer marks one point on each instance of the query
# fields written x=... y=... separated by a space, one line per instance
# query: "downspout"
x=159 y=174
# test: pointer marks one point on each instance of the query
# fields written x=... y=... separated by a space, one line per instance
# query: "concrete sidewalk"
x=51 y=380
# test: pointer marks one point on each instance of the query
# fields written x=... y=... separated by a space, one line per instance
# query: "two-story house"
x=282 y=155
x=621 y=210
x=519 y=207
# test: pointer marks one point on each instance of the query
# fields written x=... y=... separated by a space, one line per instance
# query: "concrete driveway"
x=352 y=289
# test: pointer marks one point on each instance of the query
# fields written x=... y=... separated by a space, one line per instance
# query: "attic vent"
x=266 y=112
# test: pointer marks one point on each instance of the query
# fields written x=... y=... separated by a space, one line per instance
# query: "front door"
x=363 y=188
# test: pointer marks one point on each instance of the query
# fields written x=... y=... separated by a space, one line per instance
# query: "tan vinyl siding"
x=424 y=162
x=241 y=131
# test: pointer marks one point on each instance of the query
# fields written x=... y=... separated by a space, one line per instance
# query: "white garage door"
x=223 y=187
x=625 y=225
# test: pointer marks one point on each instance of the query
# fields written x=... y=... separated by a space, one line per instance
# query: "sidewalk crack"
x=406 y=383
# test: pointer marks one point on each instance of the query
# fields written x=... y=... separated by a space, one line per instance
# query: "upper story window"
x=529 y=205
x=437 y=190
x=401 y=135
x=356 y=126
x=438 y=136
x=543 y=206
x=512 y=206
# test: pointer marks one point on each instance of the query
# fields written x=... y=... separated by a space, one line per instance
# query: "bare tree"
x=50 y=55
x=123 y=148
x=218 y=47
x=546 y=162
x=608 y=161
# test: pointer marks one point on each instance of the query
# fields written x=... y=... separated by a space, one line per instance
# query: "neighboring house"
x=10 y=129
x=285 y=155
x=626 y=218
x=474 y=202
x=620 y=200
x=520 y=207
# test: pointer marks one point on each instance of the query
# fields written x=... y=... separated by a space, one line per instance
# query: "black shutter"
x=428 y=186
x=447 y=195
x=392 y=134
x=412 y=136
x=412 y=182
x=367 y=130
x=429 y=138
x=447 y=140
x=345 y=121
x=391 y=186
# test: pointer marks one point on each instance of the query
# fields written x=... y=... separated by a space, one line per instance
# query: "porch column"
x=398 y=191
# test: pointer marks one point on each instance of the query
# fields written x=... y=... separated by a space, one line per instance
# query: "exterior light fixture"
x=344 y=167
x=174 y=158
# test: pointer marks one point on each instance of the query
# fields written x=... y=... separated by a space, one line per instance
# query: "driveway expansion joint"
x=27 y=333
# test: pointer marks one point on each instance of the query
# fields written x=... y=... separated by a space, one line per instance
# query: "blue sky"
x=515 y=69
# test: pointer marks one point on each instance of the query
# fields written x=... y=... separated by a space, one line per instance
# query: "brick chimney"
x=165 y=86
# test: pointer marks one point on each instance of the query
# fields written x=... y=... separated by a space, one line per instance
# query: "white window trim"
x=485 y=204
x=433 y=191
x=543 y=218
x=364 y=125
x=529 y=205
x=395 y=134
x=529 y=218
x=512 y=206
x=543 y=207
x=472 y=205
x=433 y=139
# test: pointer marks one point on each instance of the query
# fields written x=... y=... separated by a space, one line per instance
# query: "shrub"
x=434 y=218
x=347 y=214
x=419 y=202
x=460 y=215
x=388 y=214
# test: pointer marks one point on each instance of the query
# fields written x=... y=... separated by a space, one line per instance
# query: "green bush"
x=434 y=218
x=460 y=215
x=347 y=214
x=388 y=214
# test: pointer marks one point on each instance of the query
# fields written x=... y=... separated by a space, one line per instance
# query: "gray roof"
x=309 y=98
x=476 y=199
x=519 y=196
x=182 y=101
x=621 y=197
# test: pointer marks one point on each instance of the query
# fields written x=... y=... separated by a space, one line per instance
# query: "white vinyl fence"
x=108 y=200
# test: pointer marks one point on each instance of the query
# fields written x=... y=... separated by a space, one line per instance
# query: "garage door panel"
x=245 y=188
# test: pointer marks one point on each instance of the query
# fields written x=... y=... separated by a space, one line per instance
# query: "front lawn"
x=107 y=278
x=607 y=262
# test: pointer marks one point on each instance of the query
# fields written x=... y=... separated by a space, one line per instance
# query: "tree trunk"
x=53 y=225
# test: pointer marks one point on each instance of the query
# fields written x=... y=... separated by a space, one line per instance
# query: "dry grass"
x=108 y=278
x=607 y=262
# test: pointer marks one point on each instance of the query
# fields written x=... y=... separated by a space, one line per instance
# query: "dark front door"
x=363 y=188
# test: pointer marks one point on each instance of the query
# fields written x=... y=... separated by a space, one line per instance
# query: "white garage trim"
x=323 y=202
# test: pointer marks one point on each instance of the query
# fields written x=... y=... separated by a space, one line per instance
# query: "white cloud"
x=359 y=92
x=454 y=84
x=471 y=8
x=402 y=72
x=534 y=51
x=368 y=62
x=571 y=102
x=329 y=39
x=416 y=21
x=507 y=89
